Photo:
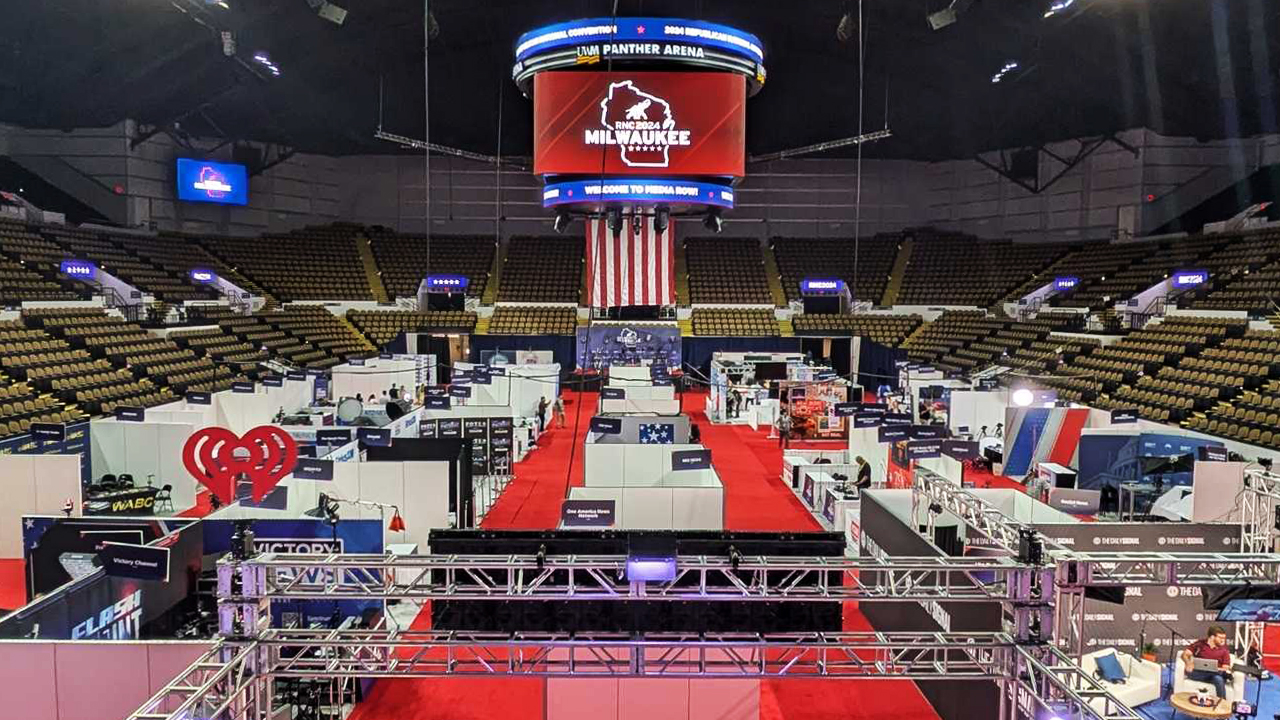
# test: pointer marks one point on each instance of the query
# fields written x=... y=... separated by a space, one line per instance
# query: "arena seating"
x=542 y=270
x=255 y=331
x=403 y=260
x=885 y=329
x=726 y=271
x=727 y=322
x=223 y=348
x=382 y=326
x=150 y=264
x=317 y=263
x=800 y=258
x=962 y=270
x=1244 y=274
x=525 y=320
x=322 y=332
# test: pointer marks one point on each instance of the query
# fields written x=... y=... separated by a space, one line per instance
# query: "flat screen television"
x=771 y=371
x=1250 y=610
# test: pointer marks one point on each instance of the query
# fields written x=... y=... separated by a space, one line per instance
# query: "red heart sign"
x=216 y=457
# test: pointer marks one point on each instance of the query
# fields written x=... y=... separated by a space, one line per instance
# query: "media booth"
x=648 y=486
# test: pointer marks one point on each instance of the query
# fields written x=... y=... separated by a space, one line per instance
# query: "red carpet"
x=756 y=499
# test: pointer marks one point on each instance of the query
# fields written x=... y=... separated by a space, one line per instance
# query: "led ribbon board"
x=821 y=286
x=211 y=182
x=1065 y=282
x=637 y=123
x=650 y=40
x=78 y=269
x=632 y=190
x=202 y=276
x=447 y=283
x=1190 y=278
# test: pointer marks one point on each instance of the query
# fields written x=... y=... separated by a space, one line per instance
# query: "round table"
x=1182 y=703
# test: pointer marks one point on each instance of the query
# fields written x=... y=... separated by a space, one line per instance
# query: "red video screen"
x=639 y=123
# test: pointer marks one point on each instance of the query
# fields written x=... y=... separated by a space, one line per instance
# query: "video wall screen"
x=639 y=123
x=212 y=182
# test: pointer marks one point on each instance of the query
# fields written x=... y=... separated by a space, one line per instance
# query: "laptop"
x=1205 y=664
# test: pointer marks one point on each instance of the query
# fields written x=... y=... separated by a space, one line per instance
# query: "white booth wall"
x=34 y=485
x=656 y=399
x=630 y=376
x=691 y=507
x=519 y=389
x=419 y=488
x=636 y=465
x=373 y=378
x=975 y=409
x=865 y=443
x=141 y=449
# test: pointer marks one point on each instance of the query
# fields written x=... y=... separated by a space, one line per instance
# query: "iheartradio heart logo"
x=217 y=458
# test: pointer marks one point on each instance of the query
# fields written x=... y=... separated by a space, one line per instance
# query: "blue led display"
x=633 y=29
x=447 y=283
x=1066 y=282
x=202 y=276
x=821 y=285
x=211 y=182
x=79 y=269
x=1190 y=278
x=658 y=190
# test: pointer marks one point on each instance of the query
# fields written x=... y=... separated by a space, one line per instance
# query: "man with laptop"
x=1209 y=660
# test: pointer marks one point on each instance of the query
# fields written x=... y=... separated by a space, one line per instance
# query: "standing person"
x=864 y=473
x=784 y=429
x=558 y=410
x=1212 y=647
x=542 y=415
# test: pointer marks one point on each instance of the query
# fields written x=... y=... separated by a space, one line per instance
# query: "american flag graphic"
x=657 y=433
x=630 y=268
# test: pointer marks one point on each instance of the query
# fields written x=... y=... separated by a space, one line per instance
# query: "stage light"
x=1022 y=397
x=651 y=570
x=948 y=15
x=637 y=224
x=433 y=27
x=613 y=218
x=262 y=59
x=563 y=218
x=328 y=11
x=1009 y=67
x=397 y=522
x=714 y=222
x=1057 y=7
x=844 y=29
x=661 y=218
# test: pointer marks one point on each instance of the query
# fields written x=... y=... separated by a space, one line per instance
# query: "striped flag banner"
x=634 y=268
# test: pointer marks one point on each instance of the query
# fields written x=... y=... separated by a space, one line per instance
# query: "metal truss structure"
x=1258 y=505
x=1031 y=678
x=1040 y=584
x=430 y=577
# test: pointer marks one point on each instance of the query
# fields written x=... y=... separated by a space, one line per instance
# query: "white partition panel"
x=643 y=464
x=604 y=465
x=34 y=485
x=646 y=507
x=426 y=501
x=698 y=508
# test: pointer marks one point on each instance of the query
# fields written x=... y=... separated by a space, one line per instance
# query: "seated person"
x=1212 y=647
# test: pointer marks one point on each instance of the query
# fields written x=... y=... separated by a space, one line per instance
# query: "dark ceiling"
x=1204 y=68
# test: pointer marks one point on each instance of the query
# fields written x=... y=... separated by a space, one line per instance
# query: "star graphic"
x=639 y=29
x=29 y=523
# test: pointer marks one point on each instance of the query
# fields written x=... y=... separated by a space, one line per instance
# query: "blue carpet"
x=1268 y=700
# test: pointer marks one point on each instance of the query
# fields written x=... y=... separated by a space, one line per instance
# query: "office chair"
x=108 y=482
x=125 y=480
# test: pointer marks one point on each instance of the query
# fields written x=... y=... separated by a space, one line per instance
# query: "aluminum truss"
x=1258 y=505
x=1031 y=678
x=227 y=683
x=434 y=577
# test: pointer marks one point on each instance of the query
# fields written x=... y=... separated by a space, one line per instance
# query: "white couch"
x=1142 y=678
x=1235 y=689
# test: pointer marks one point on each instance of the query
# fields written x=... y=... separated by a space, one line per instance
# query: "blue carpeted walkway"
x=1268 y=700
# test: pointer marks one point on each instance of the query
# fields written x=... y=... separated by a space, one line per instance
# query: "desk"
x=128 y=502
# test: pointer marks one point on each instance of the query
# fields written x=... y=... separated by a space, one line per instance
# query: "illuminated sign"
x=664 y=36
x=447 y=283
x=1066 y=282
x=1190 y=278
x=211 y=182
x=823 y=285
x=691 y=123
x=637 y=191
x=78 y=268
x=120 y=620
x=203 y=276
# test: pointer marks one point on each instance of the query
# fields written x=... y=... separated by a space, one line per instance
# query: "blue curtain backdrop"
x=876 y=365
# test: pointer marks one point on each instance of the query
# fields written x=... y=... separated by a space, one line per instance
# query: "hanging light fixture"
x=397 y=522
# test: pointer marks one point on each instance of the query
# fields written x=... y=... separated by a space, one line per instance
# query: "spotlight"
x=328 y=11
x=844 y=29
x=661 y=219
x=613 y=218
x=1023 y=397
x=948 y=15
x=563 y=218
x=637 y=224
x=935 y=508
x=713 y=221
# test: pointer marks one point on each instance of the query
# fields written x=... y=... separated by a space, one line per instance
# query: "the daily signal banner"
x=640 y=123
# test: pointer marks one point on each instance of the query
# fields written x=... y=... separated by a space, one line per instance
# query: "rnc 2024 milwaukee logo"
x=212 y=182
x=640 y=124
